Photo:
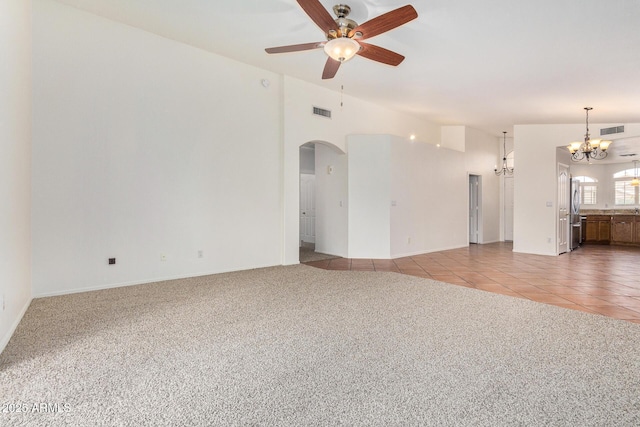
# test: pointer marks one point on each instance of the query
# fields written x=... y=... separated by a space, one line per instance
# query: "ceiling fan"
x=345 y=37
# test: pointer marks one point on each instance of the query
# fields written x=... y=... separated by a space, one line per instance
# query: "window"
x=588 y=189
x=588 y=194
x=625 y=193
x=627 y=173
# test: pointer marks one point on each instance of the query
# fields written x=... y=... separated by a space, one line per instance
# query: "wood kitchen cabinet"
x=598 y=229
x=623 y=229
x=612 y=229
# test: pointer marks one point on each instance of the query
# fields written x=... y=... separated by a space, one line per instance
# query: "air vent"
x=322 y=112
x=609 y=131
x=628 y=155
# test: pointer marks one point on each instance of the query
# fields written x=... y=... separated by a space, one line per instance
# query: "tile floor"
x=595 y=279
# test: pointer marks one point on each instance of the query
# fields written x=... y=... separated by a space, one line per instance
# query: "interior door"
x=474 y=208
x=307 y=208
x=563 y=208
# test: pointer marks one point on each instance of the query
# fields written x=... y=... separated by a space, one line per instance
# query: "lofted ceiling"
x=487 y=64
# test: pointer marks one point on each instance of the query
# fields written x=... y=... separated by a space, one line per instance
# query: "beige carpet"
x=302 y=346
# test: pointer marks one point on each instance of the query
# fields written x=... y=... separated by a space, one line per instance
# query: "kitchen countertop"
x=586 y=212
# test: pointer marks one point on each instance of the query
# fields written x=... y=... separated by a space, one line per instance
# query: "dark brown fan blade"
x=294 y=47
x=385 y=22
x=380 y=54
x=318 y=14
x=330 y=68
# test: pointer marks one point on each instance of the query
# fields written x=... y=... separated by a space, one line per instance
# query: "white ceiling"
x=487 y=64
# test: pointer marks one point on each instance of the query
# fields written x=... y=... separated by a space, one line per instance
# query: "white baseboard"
x=139 y=282
x=12 y=329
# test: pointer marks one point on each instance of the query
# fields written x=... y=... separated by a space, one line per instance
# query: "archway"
x=322 y=199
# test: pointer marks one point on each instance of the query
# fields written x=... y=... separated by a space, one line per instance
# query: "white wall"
x=480 y=159
x=15 y=169
x=536 y=182
x=369 y=196
x=144 y=147
x=535 y=210
x=453 y=137
x=409 y=198
x=429 y=188
x=331 y=201
x=405 y=197
x=353 y=118
x=394 y=207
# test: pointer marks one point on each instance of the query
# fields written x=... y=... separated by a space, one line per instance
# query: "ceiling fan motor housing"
x=345 y=25
x=342 y=10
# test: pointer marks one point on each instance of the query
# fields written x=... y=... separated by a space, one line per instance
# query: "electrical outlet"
x=112 y=261
x=200 y=253
x=409 y=240
x=163 y=257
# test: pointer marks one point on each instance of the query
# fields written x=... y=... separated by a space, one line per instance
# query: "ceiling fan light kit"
x=342 y=49
x=341 y=34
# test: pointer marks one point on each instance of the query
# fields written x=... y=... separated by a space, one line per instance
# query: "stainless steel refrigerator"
x=575 y=220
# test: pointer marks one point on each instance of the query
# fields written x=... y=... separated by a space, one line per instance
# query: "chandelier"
x=595 y=149
x=506 y=170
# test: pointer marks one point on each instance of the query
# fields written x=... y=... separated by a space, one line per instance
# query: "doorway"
x=474 y=209
x=563 y=208
x=508 y=208
x=322 y=202
x=307 y=205
x=307 y=209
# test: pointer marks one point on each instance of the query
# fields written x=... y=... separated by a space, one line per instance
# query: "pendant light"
x=595 y=149
x=505 y=169
x=635 y=182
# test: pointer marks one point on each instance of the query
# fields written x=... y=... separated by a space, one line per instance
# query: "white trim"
x=143 y=282
x=14 y=326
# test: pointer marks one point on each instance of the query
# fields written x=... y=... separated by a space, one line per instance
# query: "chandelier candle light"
x=506 y=170
x=595 y=149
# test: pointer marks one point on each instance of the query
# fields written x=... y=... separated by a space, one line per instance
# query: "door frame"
x=312 y=236
x=475 y=198
x=508 y=207
x=562 y=211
